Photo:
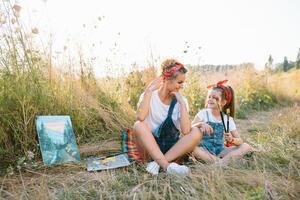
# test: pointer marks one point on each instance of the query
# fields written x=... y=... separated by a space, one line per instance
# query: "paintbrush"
x=227 y=144
x=222 y=118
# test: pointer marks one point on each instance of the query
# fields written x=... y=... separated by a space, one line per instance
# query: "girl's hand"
x=155 y=84
x=204 y=127
x=228 y=137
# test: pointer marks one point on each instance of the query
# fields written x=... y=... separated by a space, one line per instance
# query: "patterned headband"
x=227 y=91
x=172 y=70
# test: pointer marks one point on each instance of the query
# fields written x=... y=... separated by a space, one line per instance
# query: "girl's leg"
x=227 y=150
x=205 y=155
x=147 y=145
x=184 y=145
x=234 y=153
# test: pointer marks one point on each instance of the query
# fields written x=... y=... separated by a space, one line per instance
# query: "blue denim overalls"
x=214 y=142
x=167 y=134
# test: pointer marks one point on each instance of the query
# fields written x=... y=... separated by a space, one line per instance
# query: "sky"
x=120 y=33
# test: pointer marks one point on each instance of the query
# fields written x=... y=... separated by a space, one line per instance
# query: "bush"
x=259 y=99
x=194 y=93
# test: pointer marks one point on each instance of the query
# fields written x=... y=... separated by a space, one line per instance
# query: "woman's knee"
x=196 y=134
x=139 y=128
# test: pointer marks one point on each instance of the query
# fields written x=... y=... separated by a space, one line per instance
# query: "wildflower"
x=30 y=155
x=17 y=30
x=35 y=31
x=2 y=19
x=10 y=170
x=17 y=8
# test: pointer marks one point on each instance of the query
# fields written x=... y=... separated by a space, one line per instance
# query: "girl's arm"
x=204 y=127
x=234 y=138
x=196 y=121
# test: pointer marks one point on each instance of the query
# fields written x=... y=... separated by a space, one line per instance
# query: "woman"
x=161 y=113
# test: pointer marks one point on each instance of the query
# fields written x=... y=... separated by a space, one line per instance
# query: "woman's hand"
x=204 y=127
x=185 y=123
x=179 y=98
x=155 y=84
x=144 y=105
x=228 y=137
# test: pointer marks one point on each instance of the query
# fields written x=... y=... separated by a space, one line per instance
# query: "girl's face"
x=176 y=84
x=214 y=98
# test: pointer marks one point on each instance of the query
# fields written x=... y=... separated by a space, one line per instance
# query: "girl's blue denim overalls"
x=214 y=142
x=167 y=134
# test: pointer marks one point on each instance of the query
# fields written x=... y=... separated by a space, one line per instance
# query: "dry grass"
x=272 y=173
x=286 y=84
x=32 y=85
x=250 y=86
x=100 y=109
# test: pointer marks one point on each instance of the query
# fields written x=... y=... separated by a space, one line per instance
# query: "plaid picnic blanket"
x=128 y=146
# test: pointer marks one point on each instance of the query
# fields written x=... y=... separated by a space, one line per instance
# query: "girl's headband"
x=172 y=70
x=227 y=91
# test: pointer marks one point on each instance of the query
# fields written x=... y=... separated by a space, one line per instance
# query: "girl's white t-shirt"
x=158 y=112
x=202 y=116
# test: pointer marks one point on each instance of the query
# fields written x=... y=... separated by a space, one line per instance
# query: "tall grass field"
x=32 y=84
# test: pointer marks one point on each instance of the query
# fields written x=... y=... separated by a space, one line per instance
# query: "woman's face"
x=214 y=98
x=176 y=84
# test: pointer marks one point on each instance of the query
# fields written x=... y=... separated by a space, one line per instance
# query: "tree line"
x=284 y=66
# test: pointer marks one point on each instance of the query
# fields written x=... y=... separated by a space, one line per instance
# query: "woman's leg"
x=234 y=153
x=184 y=145
x=147 y=145
x=204 y=155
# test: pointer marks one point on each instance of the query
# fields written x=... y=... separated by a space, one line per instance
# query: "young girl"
x=162 y=113
x=217 y=131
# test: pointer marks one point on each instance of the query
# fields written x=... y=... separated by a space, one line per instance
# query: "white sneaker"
x=174 y=168
x=152 y=168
